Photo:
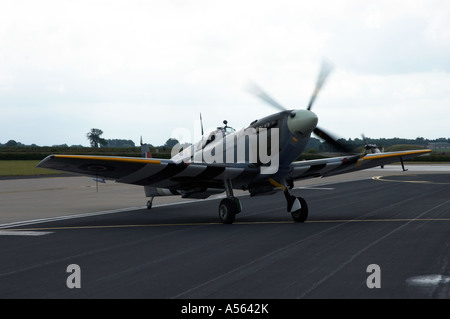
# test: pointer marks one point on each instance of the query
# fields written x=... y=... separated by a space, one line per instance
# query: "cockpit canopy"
x=221 y=131
x=226 y=129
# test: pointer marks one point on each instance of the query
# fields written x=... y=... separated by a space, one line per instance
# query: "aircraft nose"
x=302 y=122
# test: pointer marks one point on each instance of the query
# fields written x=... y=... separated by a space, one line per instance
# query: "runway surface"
x=396 y=221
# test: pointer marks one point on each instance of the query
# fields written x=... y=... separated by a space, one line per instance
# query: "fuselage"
x=277 y=139
x=268 y=145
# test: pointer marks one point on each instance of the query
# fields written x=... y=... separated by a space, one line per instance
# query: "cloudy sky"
x=149 y=68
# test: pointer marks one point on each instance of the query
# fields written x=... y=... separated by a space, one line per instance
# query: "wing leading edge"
x=108 y=167
x=162 y=173
x=346 y=164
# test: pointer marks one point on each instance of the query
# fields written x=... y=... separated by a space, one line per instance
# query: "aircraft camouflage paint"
x=184 y=175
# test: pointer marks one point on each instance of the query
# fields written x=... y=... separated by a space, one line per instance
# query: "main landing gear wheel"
x=295 y=205
x=228 y=208
x=300 y=215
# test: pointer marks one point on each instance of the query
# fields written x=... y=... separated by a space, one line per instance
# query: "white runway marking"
x=52 y=219
x=316 y=188
x=428 y=280
x=23 y=233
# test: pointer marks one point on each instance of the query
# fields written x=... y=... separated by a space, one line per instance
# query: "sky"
x=149 y=68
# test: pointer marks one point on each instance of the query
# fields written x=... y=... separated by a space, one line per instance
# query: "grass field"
x=23 y=168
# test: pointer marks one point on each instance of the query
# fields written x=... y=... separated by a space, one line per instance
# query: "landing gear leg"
x=295 y=205
x=149 y=203
x=403 y=165
x=230 y=206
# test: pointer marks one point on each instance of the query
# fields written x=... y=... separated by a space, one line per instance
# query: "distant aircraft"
x=227 y=160
x=371 y=148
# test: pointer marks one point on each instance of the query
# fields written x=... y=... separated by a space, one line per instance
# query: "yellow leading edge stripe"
x=152 y=161
x=365 y=158
x=113 y=159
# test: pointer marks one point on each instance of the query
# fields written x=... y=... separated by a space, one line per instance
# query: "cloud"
x=137 y=68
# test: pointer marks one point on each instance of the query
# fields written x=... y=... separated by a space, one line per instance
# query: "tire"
x=227 y=211
x=300 y=215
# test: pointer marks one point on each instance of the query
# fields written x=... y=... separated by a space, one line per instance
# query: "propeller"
x=325 y=70
x=257 y=91
x=331 y=140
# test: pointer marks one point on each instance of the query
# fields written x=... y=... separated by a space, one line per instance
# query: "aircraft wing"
x=346 y=164
x=166 y=173
x=163 y=173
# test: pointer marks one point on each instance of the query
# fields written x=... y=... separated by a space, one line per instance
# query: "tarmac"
x=378 y=227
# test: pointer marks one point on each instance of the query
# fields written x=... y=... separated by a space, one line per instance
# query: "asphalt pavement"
x=367 y=238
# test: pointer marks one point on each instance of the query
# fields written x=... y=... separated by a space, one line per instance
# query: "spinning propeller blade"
x=331 y=140
x=324 y=72
x=257 y=91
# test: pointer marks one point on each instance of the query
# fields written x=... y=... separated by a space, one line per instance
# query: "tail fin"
x=145 y=150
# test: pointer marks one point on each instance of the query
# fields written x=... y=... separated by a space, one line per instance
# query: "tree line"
x=314 y=143
x=123 y=147
x=96 y=141
x=358 y=143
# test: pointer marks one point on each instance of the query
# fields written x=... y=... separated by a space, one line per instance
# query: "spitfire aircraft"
x=190 y=174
